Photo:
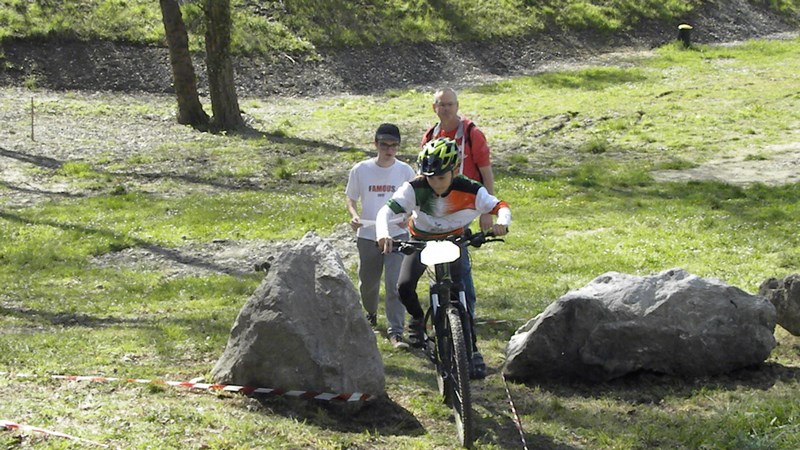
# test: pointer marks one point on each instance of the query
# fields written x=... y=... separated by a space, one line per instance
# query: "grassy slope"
x=298 y=26
x=584 y=204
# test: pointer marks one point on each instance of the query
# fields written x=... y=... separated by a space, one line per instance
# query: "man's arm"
x=486 y=220
x=488 y=178
x=479 y=149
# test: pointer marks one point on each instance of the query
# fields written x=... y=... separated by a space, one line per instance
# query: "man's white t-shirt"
x=372 y=186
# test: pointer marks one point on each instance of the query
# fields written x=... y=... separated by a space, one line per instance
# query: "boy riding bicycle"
x=441 y=204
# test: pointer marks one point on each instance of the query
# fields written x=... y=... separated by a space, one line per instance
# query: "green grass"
x=574 y=152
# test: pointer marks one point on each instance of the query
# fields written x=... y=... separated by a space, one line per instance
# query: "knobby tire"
x=438 y=351
x=460 y=398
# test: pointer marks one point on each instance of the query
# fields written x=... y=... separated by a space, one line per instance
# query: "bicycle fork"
x=437 y=318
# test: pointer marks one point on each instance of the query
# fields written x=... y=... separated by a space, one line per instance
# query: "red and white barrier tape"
x=517 y=421
x=309 y=395
x=350 y=397
x=27 y=428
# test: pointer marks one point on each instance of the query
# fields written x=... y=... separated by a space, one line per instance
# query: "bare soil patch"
x=782 y=166
x=223 y=256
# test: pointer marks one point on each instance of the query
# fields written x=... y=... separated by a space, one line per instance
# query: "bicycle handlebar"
x=478 y=239
x=465 y=239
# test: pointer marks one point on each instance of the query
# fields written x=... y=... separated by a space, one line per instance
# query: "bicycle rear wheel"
x=458 y=368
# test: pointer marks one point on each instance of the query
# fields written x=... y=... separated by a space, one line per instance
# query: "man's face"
x=440 y=183
x=446 y=106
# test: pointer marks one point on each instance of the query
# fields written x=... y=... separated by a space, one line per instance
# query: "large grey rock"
x=673 y=323
x=785 y=295
x=303 y=329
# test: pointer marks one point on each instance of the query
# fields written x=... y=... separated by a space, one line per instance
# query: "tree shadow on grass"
x=54 y=164
x=68 y=319
x=167 y=253
x=239 y=185
x=198 y=328
x=278 y=138
x=40 y=161
x=170 y=171
x=33 y=191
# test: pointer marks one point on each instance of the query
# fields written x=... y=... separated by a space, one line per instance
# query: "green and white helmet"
x=438 y=157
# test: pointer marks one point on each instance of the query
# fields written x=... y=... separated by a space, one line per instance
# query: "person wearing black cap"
x=372 y=182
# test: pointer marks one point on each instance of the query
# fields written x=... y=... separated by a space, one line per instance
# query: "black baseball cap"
x=388 y=131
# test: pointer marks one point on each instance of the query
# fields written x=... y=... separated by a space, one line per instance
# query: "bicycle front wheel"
x=438 y=350
x=458 y=366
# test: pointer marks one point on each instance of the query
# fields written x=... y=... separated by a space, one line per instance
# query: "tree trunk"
x=221 y=87
x=190 y=110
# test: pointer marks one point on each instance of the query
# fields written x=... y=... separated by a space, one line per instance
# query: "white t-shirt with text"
x=372 y=186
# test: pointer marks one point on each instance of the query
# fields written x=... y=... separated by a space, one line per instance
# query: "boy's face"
x=387 y=147
x=440 y=183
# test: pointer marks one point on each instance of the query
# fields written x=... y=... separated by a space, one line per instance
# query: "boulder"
x=785 y=296
x=672 y=323
x=303 y=329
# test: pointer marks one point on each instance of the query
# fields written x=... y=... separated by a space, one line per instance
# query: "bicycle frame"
x=438 y=255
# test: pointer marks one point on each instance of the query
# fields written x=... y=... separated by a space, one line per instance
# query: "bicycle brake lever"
x=477 y=240
x=407 y=250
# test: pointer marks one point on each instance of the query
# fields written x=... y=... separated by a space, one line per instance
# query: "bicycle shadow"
x=493 y=425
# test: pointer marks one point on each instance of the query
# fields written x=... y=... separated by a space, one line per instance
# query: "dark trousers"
x=410 y=272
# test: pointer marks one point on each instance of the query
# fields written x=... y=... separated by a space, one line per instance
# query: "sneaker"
x=372 y=319
x=416 y=332
x=398 y=342
x=478 y=369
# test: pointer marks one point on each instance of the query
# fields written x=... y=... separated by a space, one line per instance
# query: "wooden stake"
x=32 y=115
